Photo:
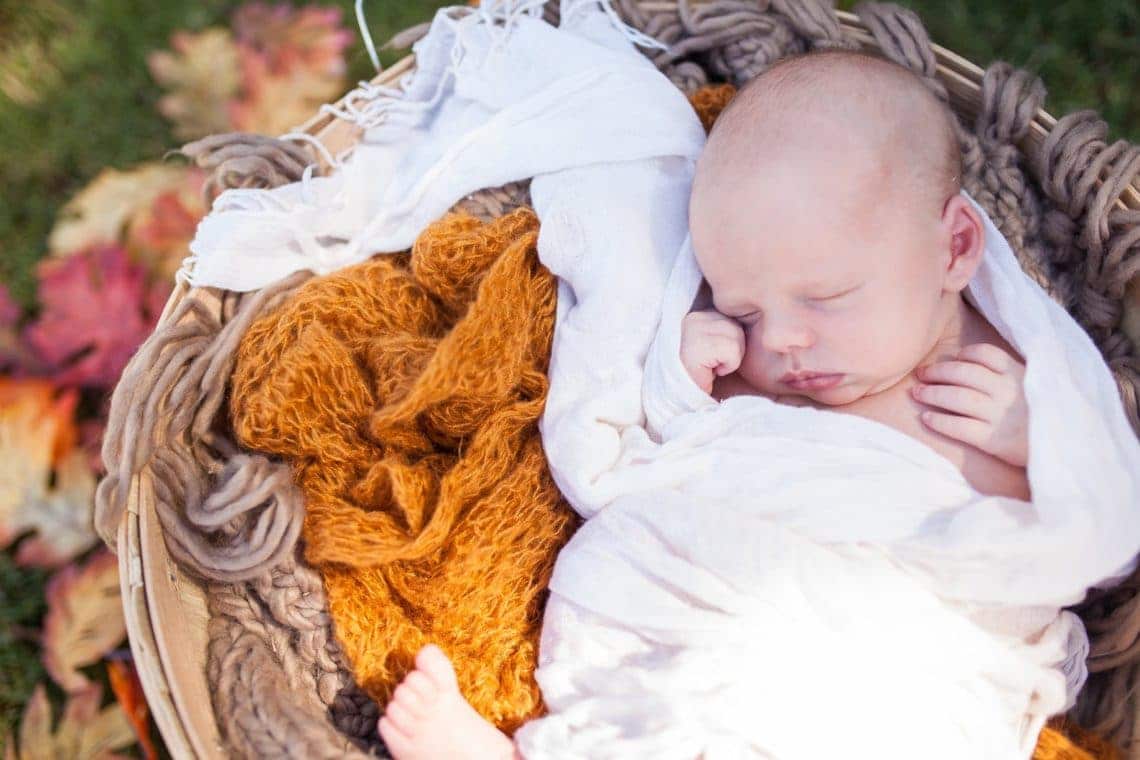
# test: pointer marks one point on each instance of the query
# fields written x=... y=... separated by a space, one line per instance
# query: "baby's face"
x=822 y=282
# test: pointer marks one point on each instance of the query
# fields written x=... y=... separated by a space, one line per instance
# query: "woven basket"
x=166 y=612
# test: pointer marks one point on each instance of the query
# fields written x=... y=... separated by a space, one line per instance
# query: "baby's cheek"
x=752 y=364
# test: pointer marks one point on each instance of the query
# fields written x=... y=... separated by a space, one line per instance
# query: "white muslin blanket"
x=753 y=579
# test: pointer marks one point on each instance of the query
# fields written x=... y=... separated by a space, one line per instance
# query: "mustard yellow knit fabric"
x=406 y=392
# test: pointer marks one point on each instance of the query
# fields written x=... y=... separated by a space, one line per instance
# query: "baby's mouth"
x=811 y=381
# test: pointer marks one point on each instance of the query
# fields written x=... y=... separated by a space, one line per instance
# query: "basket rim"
x=153 y=655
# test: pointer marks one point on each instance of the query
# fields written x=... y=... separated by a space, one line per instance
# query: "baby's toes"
x=432 y=661
x=403 y=718
x=409 y=701
x=419 y=686
x=397 y=742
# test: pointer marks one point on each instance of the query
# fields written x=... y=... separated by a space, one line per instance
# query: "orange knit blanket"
x=406 y=392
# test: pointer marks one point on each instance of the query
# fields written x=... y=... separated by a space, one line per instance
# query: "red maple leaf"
x=97 y=307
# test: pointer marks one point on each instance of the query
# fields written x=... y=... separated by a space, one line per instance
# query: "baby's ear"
x=965 y=238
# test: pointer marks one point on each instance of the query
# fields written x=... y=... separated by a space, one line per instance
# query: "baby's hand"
x=982 y=386
x=712 y=345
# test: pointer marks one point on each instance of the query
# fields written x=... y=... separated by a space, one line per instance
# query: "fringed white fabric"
x=461 y=121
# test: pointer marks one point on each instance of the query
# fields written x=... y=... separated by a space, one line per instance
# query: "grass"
x=22 y=605
x=1086 y=52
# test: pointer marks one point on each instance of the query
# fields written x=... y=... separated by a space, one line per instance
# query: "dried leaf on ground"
x=84 y=732
x=201 y=75
x=288 y=38
x=128 y=690
x=292 y=62
x=98 y=213
x=273 y=104
x=97 y=308
x=84 y=620
x=46 y=484
x=159 y=234
x=27 y=72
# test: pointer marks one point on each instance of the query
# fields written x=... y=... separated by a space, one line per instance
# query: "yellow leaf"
x=27 y=74
x=38 y=445
x=200 y=75
x=35 y=728
x=84 y=732
x=84 y=620
x=99 y=212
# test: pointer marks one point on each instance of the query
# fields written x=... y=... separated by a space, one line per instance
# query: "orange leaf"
x=273 y=103
x=37 y=446
x=84 y=620
x=200 y=75
x=128 y=690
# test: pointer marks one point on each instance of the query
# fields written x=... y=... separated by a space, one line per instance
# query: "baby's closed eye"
x=835 y=296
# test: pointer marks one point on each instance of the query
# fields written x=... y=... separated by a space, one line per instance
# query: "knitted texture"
x=1063 y=739
x=406 y=392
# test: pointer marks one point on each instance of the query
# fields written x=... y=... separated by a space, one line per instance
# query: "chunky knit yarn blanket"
x=406 y=393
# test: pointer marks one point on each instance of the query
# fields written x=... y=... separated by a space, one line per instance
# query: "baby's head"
x=826 y=218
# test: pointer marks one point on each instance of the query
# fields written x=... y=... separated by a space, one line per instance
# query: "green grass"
x=21 y=606
x=1086 y=51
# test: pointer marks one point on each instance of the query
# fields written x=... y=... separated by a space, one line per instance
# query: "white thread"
x=368 y=44
x=570 y=8
x=320 y=146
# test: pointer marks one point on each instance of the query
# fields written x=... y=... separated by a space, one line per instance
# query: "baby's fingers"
x=965 y=429
x=993 y=357
x=953 y=398
x=964 y=373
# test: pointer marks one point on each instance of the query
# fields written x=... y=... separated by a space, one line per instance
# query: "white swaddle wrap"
x=761 y=580
x=754 y=580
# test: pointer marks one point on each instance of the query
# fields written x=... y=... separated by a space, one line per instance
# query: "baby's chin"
x=844 y=393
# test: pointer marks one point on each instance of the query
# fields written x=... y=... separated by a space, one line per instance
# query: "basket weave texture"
x=205 y=606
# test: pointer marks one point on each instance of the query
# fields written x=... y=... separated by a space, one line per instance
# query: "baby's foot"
x=428 y=719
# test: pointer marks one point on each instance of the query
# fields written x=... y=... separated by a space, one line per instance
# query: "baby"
x=836 y=245
x=827 y=219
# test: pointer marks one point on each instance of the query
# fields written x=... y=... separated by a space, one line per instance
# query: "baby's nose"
x=781 y=336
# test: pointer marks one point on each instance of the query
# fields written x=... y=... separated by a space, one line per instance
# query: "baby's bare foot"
x=428 y=719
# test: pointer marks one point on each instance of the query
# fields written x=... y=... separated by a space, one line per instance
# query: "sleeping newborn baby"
x=827 y=220
x=829 y=225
